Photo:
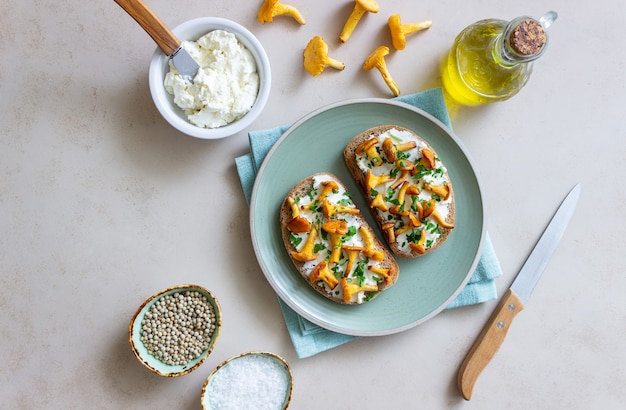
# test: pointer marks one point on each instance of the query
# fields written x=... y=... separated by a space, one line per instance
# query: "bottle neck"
x=522 y=41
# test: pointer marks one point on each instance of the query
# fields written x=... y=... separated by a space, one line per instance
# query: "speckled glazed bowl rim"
x=151 y=362
x=277 y=358
x=192 y=30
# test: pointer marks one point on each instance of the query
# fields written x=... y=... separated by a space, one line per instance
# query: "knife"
x=515 y=298
x=162 y=35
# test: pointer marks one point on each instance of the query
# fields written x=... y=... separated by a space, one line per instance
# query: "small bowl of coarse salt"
x=253 y=380
x=174 y=331
x=230 y=89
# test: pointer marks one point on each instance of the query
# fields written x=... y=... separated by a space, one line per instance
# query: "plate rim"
x=355 y=101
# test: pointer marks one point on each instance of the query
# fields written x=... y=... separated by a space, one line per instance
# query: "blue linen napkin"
x=310 y=339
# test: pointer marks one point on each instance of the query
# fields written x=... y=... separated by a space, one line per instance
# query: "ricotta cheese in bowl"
x=230 y=89
x=225 y=86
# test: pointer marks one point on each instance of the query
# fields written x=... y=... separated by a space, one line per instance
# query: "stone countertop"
x=103 y=204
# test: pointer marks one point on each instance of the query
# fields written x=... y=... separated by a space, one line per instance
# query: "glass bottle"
x=491 y=60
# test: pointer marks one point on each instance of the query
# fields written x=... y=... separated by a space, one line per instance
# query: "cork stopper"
x=528 y=38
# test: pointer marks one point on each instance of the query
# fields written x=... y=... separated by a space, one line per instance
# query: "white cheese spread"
x=226 y=85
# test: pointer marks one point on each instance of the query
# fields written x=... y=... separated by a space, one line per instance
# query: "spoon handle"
x=152 y=24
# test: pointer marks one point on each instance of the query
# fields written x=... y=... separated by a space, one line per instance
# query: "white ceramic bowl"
x=193 y=30
x=257 y=379
x=151 y=362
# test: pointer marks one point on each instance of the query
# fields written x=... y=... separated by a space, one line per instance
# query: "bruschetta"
x=331 y=244
x=407 y=187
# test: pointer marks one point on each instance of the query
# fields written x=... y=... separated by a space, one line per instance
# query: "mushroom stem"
x=360 y=8
x=377 y=59
x=420 y=25
x=293 y=12
x=399 y=31
x=393 y=86
x=351 y=24
x=331 y=62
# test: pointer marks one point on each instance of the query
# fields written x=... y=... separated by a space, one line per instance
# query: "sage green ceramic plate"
x=427 y=284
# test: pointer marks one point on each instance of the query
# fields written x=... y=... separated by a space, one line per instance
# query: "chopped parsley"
x=359 y=271
x=324 y=234
x=318 y=247
x=311 y=193
x=403 y=155
x=414 y=235
x=432 y=227
x=390 y=193
x=295 y=240
x=438 y=172
x=337 y=271
x=351 y=232
x=347 y=201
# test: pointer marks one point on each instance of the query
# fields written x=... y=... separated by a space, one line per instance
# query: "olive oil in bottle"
x=491 y=60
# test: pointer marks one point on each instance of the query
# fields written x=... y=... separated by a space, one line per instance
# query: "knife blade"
x=515 y=298
x=162 y=36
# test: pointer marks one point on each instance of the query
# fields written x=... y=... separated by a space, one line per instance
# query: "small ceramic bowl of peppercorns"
x=174 y=331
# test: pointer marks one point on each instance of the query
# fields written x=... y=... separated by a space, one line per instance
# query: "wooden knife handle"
x=488 y=342
x=152 y=24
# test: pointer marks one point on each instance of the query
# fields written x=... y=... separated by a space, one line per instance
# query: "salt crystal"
x=250 y=381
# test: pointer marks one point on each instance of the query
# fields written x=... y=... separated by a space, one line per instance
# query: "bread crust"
x=445 y=208
x=306 y=194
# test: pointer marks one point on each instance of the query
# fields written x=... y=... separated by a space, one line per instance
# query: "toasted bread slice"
x=331 y=244
x=406 y=185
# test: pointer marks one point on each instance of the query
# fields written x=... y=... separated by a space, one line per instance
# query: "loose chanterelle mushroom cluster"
x=316 y=57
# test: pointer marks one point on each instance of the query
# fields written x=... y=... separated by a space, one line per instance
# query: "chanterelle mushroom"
x=419 y=245
x=271 y=8
x=368 y=147
x=377 y=60
x=353 y=252
x=307 y=253
x=368 y=240
x=322 y=272
x=399 y=31
x=360 y=8
x=374 y=180
x=387 y=273
x=335 y=229
x=297 y=224
x=351 y=288
x=330 y=209
x=316 y=57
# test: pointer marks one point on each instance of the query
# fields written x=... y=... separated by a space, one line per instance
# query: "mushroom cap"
x=315 y=55
x=265 y=12
x=336 y=226
x=375 y=57
x=299 y=224
x=370 y=6
x=395 y=24
x=404 y=165
x=398 y=36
